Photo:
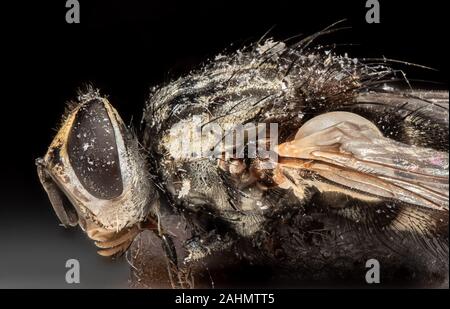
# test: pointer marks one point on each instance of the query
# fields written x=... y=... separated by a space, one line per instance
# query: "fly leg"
x=178 y=276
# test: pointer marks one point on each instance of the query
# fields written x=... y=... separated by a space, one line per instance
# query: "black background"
x=123 y=48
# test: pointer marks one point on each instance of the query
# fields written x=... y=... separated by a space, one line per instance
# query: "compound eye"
x=93 y=151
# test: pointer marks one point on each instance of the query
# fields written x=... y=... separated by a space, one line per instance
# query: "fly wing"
x=414 y=117
x=354 y=155
x=432 y=103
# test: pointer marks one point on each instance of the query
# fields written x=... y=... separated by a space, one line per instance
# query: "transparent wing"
x=354 y=155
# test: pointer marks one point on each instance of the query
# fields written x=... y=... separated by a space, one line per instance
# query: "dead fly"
x=361 y=169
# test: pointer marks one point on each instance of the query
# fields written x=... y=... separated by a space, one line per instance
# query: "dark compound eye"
x=93 y=152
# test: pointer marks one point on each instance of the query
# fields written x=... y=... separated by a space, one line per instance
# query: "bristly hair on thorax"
x=258 y=82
